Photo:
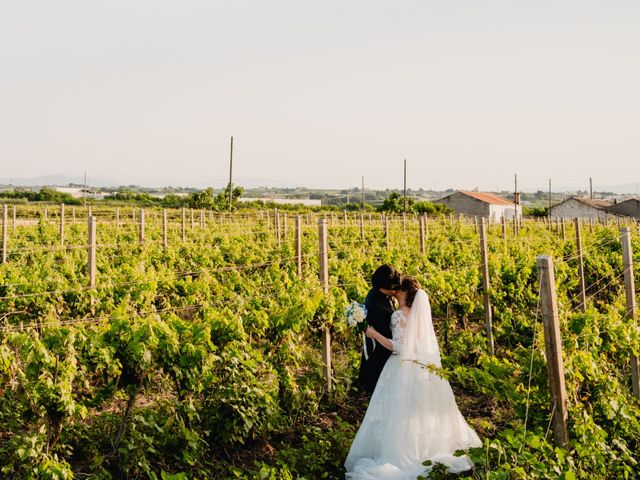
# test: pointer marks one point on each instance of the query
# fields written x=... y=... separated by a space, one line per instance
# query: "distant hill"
x=54 y=180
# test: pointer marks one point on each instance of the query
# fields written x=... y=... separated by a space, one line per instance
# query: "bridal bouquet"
x=356 y=314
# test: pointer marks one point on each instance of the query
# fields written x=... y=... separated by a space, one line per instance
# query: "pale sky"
x=319 y=93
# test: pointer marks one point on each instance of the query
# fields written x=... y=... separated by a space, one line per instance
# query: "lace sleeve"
x=398 y=322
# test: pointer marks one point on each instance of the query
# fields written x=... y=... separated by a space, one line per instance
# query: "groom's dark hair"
x=386 y=277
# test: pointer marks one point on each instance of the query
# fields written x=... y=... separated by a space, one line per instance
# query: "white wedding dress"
x=412 y=416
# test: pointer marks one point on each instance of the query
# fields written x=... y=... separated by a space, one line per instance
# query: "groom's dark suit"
x=379 y=310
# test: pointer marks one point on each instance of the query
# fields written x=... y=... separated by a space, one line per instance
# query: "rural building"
x=629 y=208
x=481 y=204
x=576 y=207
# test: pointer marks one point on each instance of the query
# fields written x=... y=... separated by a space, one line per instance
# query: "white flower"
x=359 y=315
x=355 y=313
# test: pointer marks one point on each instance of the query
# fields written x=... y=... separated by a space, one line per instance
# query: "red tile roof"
x=487 y=198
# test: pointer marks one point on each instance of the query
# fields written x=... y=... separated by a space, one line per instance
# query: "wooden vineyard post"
x=141 y=226
x=485 y=285
x=564 y=230
x=117 y=218
x=62 y=224
x=164 y=229
x=5 y=218
x=324 y=280
x=201 y=218
x=346 y=220
x=591 y=225
x=583 y=293
x=184 y=224
x=426 y=227
x=404 y=222
x=276 y=224
x=89 y=211
x=630 y=294
x=362 y=226
x=92 y=251
x=385 y=219
x=284 y=225
x=504 y=227
x=553 y=350
x=422 y=221
x=475 y=223
x=192 y=220
x=299 y=244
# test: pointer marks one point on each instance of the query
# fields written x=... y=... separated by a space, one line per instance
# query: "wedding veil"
x=420 y=343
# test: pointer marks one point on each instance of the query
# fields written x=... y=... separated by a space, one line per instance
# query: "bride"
x=412 y=415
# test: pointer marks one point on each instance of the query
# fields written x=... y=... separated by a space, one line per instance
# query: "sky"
x=320 y=93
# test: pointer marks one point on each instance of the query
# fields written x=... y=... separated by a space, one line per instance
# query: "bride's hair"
x=411 y=286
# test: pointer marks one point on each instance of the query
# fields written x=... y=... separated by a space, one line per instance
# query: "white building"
x=629 y=208
x=575 y=207
x=481 y=204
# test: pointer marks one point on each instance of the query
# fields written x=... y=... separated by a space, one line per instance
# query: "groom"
x=385 y=282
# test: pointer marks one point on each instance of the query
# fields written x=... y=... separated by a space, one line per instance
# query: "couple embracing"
x=412 y=415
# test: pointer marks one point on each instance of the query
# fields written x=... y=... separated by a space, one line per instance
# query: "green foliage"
x=178 y=363
x=45 y=194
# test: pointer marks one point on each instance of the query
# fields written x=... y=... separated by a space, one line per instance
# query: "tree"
x=222 y=200
x=204 y=199
x=394 y=203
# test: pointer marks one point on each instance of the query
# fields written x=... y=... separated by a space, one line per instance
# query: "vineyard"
x=185 y=344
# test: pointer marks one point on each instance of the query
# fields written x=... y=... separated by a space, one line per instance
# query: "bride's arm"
x=384 y=341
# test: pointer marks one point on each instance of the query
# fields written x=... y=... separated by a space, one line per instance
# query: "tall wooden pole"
x=630 y=294
x=583 y=293
x=324 y=280
x=553 y=350
x=362 y=193
x=488 y=315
